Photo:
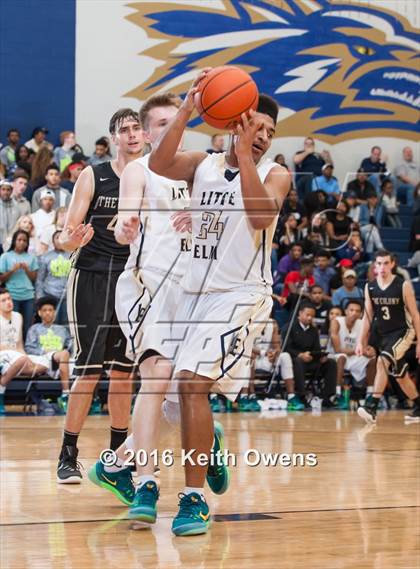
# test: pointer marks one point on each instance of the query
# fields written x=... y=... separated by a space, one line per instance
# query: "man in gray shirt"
x=62 y=196
x=19 y=184
x=9 y=211
x=407 y=174
x=7 y=153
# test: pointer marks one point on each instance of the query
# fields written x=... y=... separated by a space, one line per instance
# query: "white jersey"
x=11 y=331
x=226 y=252
x=158 y=246
x=349 y=339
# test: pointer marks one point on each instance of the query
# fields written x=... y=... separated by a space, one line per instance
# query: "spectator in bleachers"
x=348 y=290
x=343 y=266
x=46 y=241
x=63 y=154
x=323 y=271
x=19 y=185
x=38 y=140
x=408 y=176
x=345 y=333
x=390 y=204
x=321 y=305
x=328 y=183
x=9 y=210
x=102 y=152
x=297 y=282
x=315 y=202
x=303 y=344
x=353 y=249
x=339 y=226
x=280 y=159
x=62 y=196
x=42 y=161
x=54 y=269
x=26 y=224
x=70 y=175
x=13 y=359
x=288 y=234
x=373 y=163
x=325 y=337
x=312 y=243
x=308 y=164
x=45 y=215
x=24 y=158
x=289 y=262
x=217 y=144
x=360 y=186
x=371 y=215
x=18 y=270
x=354 y=206
x=53 y=342
x=8 y=152
x=292 y=205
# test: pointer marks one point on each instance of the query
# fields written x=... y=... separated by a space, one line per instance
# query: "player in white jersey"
x=345 y=334
x=236 y=198
x=147 y=297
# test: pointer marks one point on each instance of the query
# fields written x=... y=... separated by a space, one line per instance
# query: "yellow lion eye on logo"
x=364 y=50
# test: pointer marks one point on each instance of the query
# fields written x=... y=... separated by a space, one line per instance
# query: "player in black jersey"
x=390 y=306
x=97 y=263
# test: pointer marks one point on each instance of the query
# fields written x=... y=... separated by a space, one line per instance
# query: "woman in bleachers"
x=18 y=272
x=39 y=167
x=26 y=224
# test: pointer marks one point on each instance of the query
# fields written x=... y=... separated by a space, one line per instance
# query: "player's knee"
x=191 y=385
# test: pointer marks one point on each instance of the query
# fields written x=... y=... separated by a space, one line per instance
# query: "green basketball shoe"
x=144 y=509
x=193 y=517
x=119 y=483
x=218 y=475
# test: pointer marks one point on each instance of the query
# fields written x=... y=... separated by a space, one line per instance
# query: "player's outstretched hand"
x=246 y=133
x=80 y=236
x=130 y=228
x=182 y=221
x=188 y=103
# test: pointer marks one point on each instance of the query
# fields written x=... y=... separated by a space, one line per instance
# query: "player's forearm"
x=119 y=235
x=162 y=156
x=261 y=208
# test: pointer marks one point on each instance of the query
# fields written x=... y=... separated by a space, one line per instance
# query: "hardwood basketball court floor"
x=357 y=508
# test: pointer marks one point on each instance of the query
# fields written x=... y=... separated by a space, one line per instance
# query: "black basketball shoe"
x=68 y=470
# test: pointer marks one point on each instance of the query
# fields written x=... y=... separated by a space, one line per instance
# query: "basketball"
x=224 y=94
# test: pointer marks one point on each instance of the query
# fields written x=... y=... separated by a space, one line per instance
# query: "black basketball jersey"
x=103 y=253
x=389 y=310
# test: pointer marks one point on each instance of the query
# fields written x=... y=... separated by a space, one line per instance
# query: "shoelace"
x=72 y=464
x=187 y=508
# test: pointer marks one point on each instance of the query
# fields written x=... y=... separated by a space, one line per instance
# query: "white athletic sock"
x=290 y=396
x=338 y=389
x=115 y=467
x=145 y=478
x=369 y=389
x=2 y=389
x=190 y=490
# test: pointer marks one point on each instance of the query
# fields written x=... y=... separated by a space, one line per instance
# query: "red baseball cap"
x=346 y=263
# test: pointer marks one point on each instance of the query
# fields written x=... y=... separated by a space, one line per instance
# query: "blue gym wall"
x=37 y=71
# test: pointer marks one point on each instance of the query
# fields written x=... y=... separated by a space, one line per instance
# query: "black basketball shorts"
x=393 y=346
x=99 y=343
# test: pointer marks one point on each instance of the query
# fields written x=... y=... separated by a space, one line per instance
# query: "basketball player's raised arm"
x=263 y=200
x=366 y=325
x=76 y=233
x=410 y=303
x=166 y=159
x=129 y=203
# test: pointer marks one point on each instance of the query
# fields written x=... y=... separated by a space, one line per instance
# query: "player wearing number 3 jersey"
x=392 y=312
x=226 y=301
x=97 y=263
